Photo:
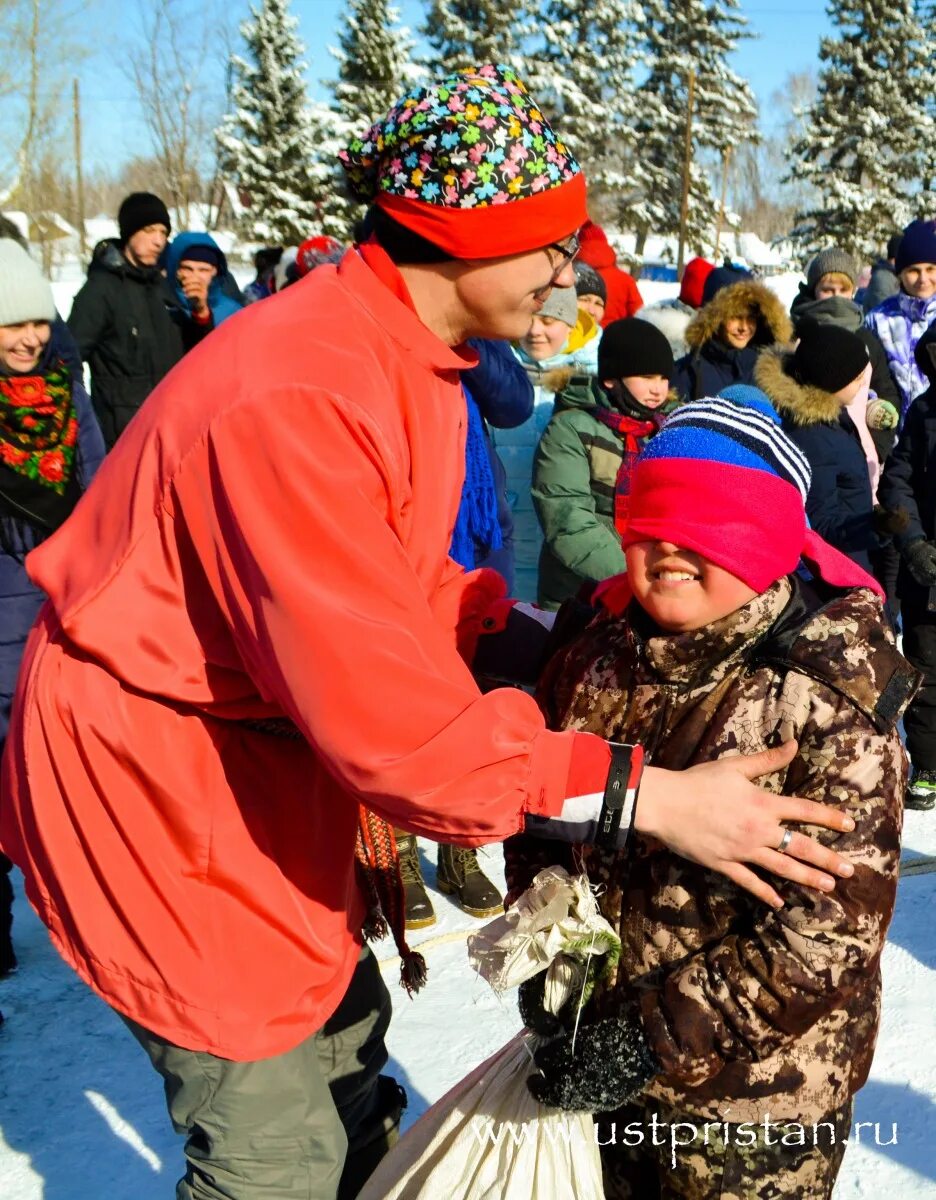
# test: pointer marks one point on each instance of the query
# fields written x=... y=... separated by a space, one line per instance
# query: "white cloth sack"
x=487 y=1138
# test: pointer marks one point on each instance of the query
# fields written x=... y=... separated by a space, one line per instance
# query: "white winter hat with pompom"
x=25 y=294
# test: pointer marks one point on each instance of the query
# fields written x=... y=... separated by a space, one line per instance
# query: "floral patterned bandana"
x=38 y=427
x=450 y=160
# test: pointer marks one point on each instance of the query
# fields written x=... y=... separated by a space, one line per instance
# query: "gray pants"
x=310 y=1124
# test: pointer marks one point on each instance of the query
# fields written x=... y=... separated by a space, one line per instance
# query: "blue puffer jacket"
x=222 y=289
x=20 y=601
x=517 y=447
x=504 y=396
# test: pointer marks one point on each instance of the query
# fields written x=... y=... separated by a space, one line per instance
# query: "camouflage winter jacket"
x=749 y=1010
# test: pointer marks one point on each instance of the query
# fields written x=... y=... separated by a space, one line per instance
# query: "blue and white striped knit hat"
x=723 y=479
x=740 y=427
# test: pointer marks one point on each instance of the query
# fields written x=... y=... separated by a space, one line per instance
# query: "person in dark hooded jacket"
x=50 y=447
x=908 y=492
x=810 y=388
x=726 y=336
x=883 y=282
x=121 y=318
x=828 y=298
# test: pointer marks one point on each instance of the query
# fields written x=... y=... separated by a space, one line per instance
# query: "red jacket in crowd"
x=623 y=297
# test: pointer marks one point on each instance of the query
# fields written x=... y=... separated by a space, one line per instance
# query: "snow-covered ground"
x=82 y=1114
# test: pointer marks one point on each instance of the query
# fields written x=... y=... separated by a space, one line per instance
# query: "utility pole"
x=726 y=163
x=79 y=178
x=687 y=167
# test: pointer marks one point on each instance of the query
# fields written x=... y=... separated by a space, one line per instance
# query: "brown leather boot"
x=419 y=911
x=459 y=875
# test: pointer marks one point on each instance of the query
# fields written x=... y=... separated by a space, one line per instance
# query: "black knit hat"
x=917 y=245
x=139 y=210
x=588 y=282
x=633 y=347
x=203 y=254
x=829 y=357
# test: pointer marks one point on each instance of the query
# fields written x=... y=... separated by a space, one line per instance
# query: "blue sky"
x=787 y=41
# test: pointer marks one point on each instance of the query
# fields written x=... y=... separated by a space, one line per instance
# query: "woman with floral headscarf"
x=50 y=446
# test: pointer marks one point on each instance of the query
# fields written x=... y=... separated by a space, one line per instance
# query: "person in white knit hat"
x=50 y=446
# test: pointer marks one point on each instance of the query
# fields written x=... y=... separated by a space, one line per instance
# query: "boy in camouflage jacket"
x=722 y=1012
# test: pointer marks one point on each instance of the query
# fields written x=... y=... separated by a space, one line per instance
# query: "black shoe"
x=459 y=875
x=419 y=911
x=921 y=790
x=7 y=959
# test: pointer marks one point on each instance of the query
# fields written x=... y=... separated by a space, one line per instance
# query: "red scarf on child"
x=631 y=431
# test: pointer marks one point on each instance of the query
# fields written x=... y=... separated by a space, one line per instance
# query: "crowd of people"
x=278 y=638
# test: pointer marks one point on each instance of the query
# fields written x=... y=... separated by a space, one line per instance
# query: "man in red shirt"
x=255 y=636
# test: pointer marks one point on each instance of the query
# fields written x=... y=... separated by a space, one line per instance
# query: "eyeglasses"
x=567 y=254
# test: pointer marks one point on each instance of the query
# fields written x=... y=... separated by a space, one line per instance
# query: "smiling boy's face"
x=680 y=589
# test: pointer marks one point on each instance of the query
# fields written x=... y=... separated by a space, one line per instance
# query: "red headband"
x=749 y=522
x=494 y=230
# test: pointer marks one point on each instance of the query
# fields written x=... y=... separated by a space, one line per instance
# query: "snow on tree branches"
x=580 y=68
x=467 y=33
x=868 y=135
x=373 y=58
x=679 y=35
x=271 y=143
x=374 y=70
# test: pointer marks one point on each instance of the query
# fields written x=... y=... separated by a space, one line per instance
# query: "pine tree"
x=581 y=71
x=374 y=70
x=868 y=135
x=271 y=145
x=927 y=22
x=373 y=58
x=680 y=35
x=468 y=33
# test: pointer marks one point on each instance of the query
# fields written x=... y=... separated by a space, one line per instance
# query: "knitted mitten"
x=920 y=557
x=882 y=415
x=611 y=1063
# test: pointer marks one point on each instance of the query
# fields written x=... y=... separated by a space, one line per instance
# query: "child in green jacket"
x=581 y=471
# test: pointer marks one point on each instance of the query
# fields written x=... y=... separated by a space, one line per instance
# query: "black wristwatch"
x=619 y=805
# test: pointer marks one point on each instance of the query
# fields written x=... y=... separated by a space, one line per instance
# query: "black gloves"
x=611 y=1064
x=920 y=558
x=532 y=1013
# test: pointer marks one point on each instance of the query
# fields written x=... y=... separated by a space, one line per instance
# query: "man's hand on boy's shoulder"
x=715 y=815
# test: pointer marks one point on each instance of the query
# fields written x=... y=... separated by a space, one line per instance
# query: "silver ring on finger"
x=785 y=841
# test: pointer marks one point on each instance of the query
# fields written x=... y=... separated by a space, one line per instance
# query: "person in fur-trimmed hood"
x=814 y=388
x=726 y=337
x=581 y=472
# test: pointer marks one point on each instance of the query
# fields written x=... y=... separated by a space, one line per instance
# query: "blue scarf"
x=476 y=526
